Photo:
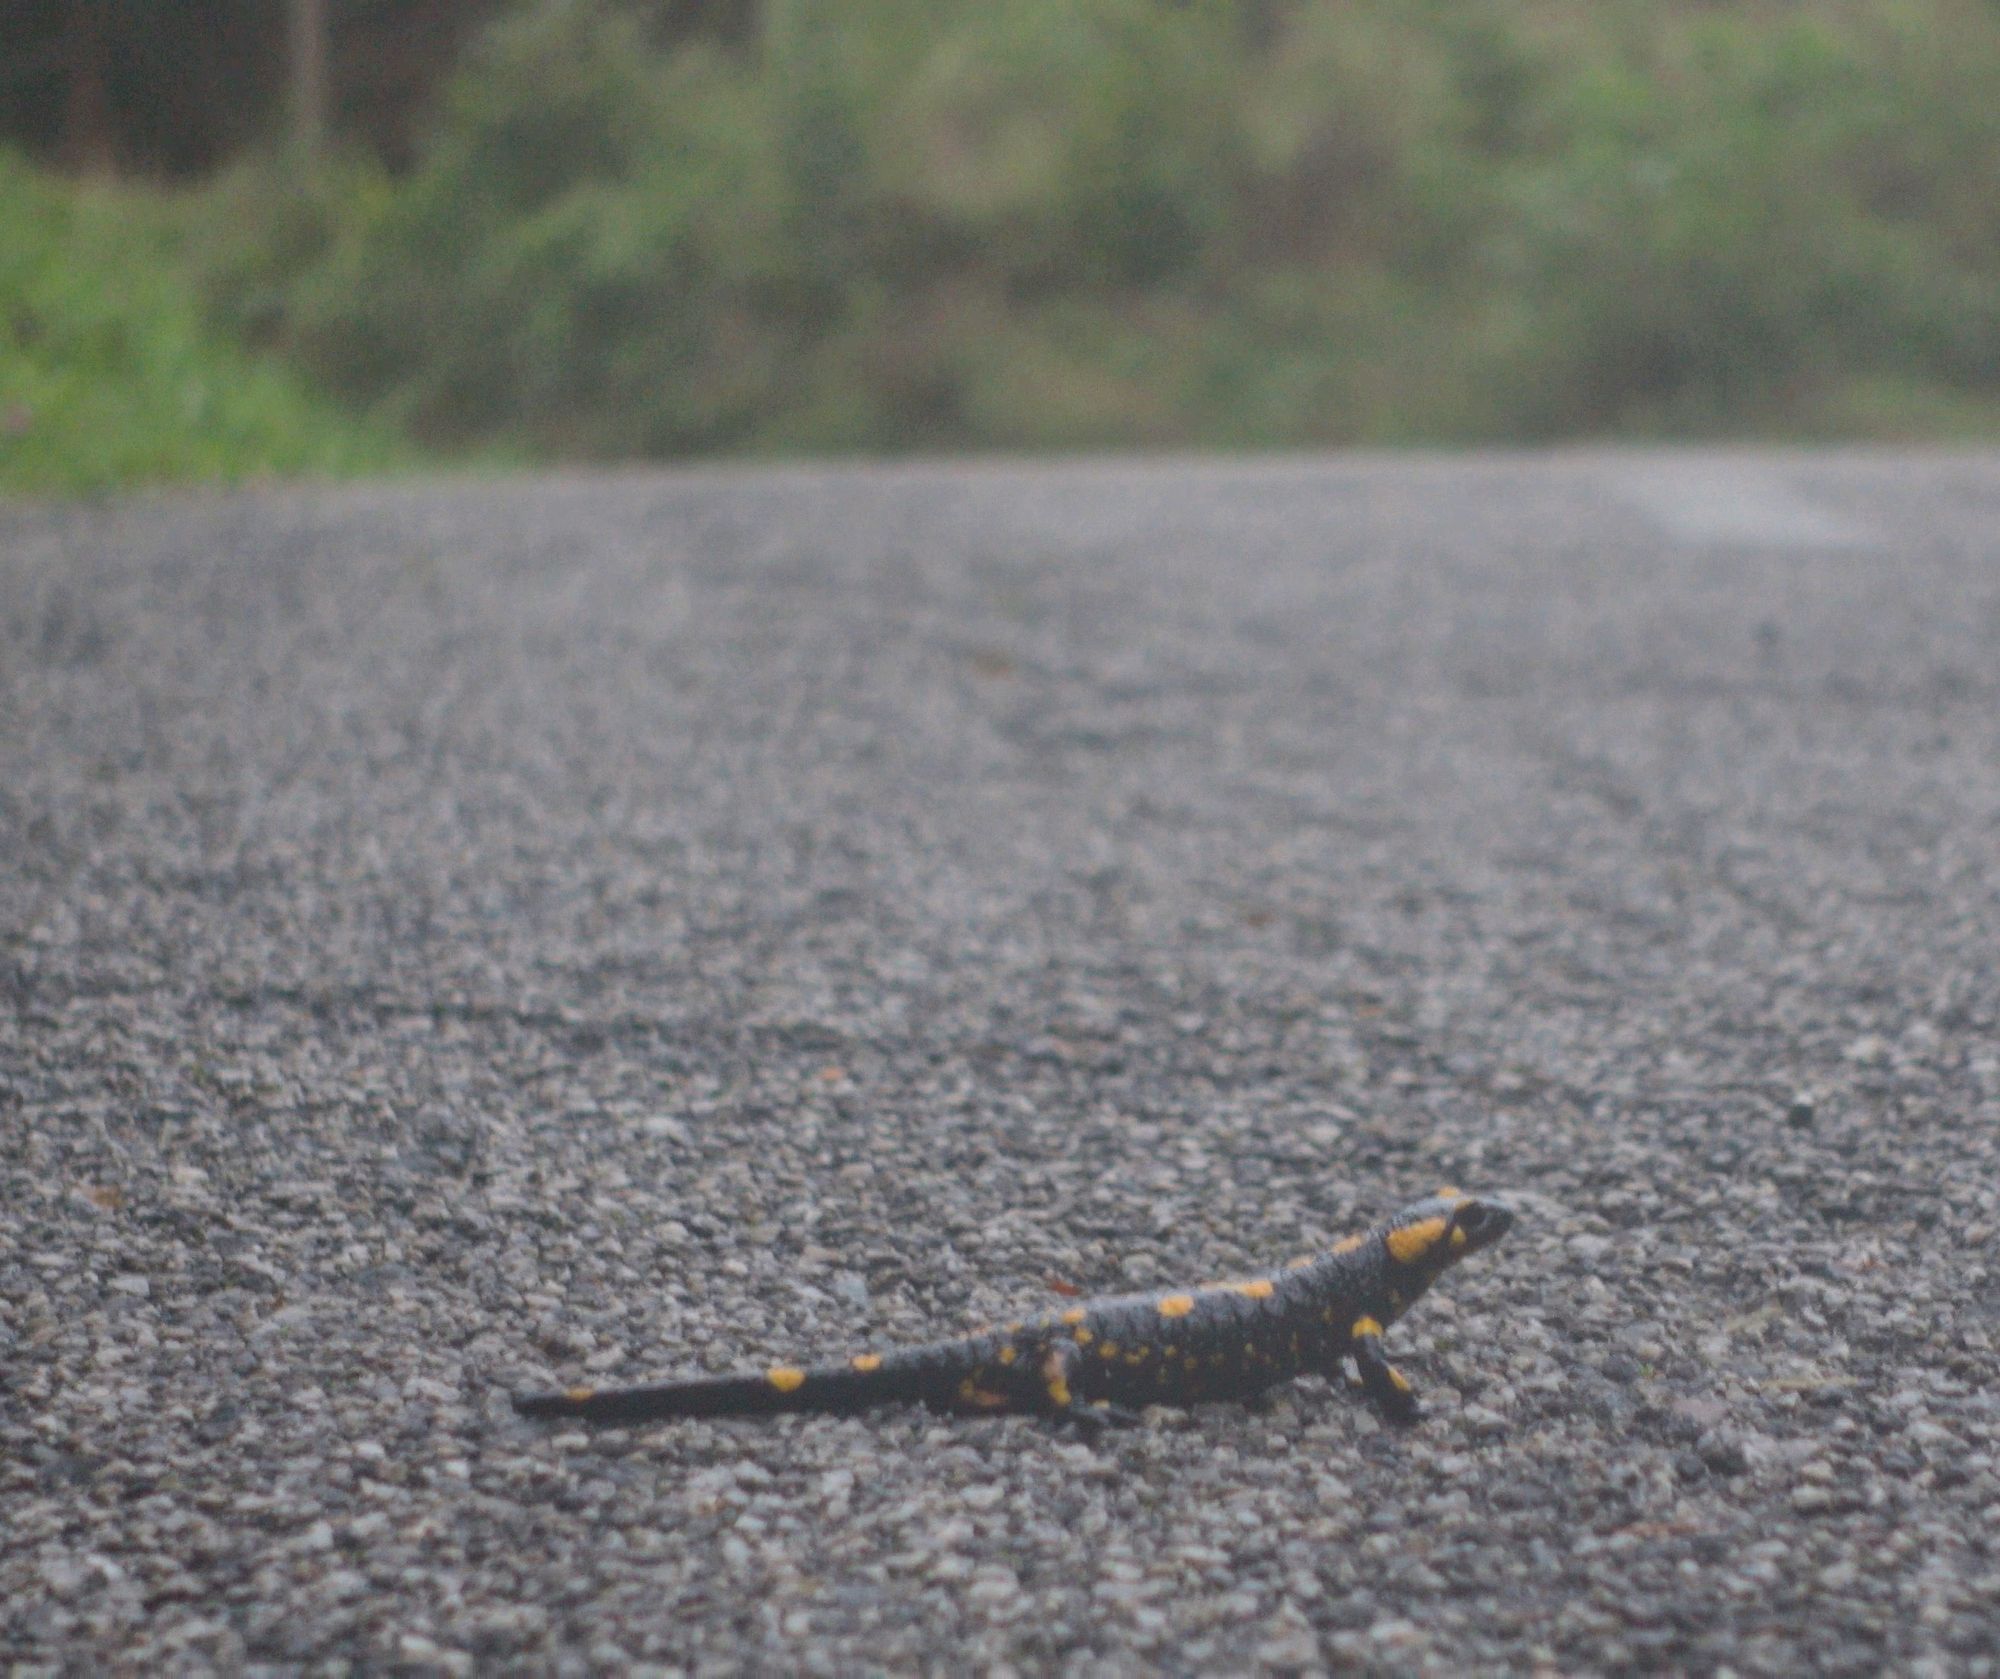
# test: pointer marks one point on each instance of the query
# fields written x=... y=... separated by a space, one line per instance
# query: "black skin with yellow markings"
x=1099 y=1361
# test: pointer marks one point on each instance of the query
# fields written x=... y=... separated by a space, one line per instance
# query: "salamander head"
x=1427 y=1238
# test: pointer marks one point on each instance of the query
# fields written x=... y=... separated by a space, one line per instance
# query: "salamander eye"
x=1476 y=1224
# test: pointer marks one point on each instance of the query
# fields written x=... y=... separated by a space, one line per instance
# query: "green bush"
x=1731 y=220
x=108 y=374
x=1024 y=224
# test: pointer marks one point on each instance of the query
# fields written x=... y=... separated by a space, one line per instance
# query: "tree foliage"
x=928 y=223
x=108 y=374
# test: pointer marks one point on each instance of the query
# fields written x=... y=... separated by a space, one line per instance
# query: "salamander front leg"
x=1384 y=1384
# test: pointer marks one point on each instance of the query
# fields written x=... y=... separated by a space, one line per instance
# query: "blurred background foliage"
x=109 y=375
x=614 y=230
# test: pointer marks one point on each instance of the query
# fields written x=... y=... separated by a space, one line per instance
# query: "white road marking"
x=1732 y=504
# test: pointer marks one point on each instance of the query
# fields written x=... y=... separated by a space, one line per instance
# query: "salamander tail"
x=783 y=1387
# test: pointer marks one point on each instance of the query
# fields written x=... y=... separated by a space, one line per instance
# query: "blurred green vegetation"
x=933 y=224
x=108 y=373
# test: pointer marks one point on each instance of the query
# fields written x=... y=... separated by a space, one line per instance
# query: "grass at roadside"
x=108 y=374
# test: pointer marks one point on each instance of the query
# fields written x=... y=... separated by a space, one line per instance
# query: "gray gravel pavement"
x=464 y=936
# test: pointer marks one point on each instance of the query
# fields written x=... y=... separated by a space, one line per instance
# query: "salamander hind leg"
x=1091 y=1417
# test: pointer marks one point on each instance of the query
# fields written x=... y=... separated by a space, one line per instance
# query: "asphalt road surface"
x=457 y=937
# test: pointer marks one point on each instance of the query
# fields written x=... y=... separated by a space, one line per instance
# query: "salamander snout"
x=1481 y=1221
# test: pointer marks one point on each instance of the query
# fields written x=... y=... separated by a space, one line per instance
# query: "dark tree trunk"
x=90 y=131
x=309 y=76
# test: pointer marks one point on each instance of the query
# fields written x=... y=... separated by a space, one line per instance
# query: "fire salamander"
x=1099 y=1361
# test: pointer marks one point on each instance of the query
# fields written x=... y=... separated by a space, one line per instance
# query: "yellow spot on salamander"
x=1348 y=1244
x=1399 y=1380
x=1108 y=1350
x=1457 y=1237
x=1008 y=1355
x=1055 y=1378
x=1083 y=1337
x=1413 y=1241
x=1138 y=1355
x=1258 y=1288
x=1176 y=1305
x=973 y=1394
x=579 y=1396
x=786 y=1378
x=1298 y=1264
x=1450 y=1194
x=866 y=1363
x=1076 y=1314
x=1365 y=1329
